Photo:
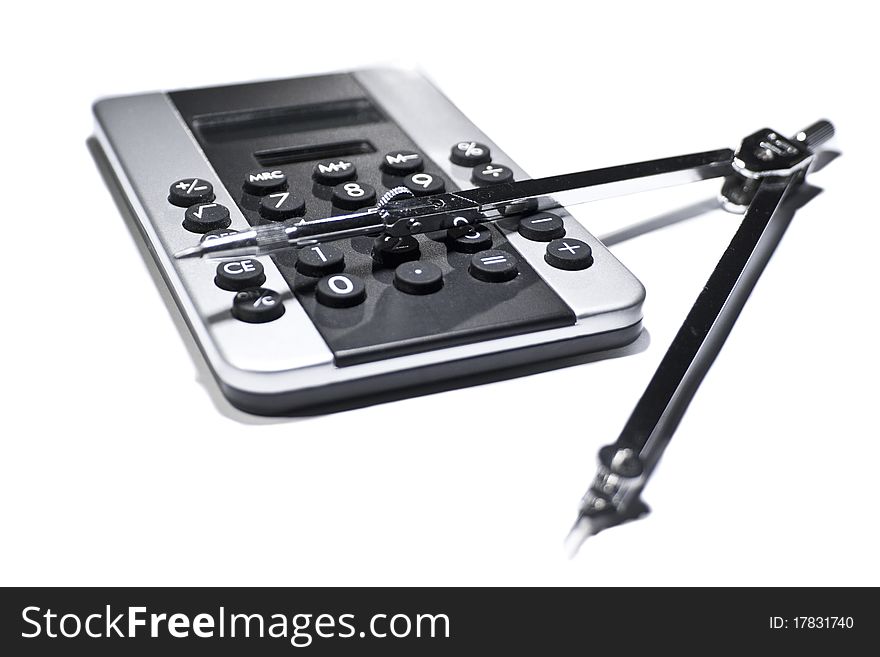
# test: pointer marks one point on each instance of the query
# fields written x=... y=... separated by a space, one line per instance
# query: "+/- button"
x=237 y=275
x=340 y=291
x=541 y=227
x=569 y=254
x=256 y=305
x=493 y=266
x=418 y=277
x=189 y=191
x=424 y=184
x=281 y=205
x=263 y=182
x=400 y=163
x=353 y=195
x=333 y=172
x=470 y=153
x=320 y=260
x=491 y=174
x=470 y=239
x=392 y=251
x=206 y=217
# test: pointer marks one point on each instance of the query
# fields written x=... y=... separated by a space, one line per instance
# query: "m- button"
x=263 y=182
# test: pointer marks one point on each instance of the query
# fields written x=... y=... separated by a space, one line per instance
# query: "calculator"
x=366 y=317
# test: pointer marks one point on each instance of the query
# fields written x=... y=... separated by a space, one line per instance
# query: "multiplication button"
x=493 y=266
x=541 y=227
x=205 y=217
x=340 y=291
x=281 y=205
x=236 y=275
x=265 y=181
x=256 y=305
x=470 y=153
x=189 y=191
x=569 y=254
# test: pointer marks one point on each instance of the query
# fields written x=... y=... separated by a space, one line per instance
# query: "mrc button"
x=189 y=191
x=236 y=275
x=265 y=181
x=569 y=254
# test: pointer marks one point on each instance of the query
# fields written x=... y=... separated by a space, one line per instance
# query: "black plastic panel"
x=390 y=322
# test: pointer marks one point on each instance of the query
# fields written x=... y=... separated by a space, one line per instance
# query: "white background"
x=121 y=465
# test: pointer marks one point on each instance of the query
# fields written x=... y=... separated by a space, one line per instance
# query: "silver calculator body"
x=309 y=358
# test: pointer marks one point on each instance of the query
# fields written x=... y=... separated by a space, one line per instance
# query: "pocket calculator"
x=347 y=321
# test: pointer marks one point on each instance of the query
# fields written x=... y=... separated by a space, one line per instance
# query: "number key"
x=424 y=184
x=320 y=260
x=353 y=195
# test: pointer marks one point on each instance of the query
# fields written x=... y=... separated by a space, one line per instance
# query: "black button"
x=493 y=266
x=281 y=205
x=541 y=227
x=392 y=251
x=418 y=277
x=470 y=153
x=214 y=234
x=353 y=195
x=469 y=239
x=569 y=254
x=424 y=184
x=204 y=217
x=265 y=181
x=237 y=275
x=491 y=174
x=400 y=163
x=320 y=260
x=189 y=191
x=333 y=172
x=257 y=305
x=340 y=291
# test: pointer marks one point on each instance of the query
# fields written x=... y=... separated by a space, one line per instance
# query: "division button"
x=333 y=172
x=400 y=163
x=256 y=305
x=189 y=191
x=424 y=184
x=470 y=239
x=214 y=234
x=491 y=174
x=340 y=291
x=569 y=254
x=265 y=181
x=470 y=153
x=237 y=275
x=281 y=205
x=392 y=251
x=493 y=266
x=353 y=195
x=418 y=277
x=205 y=217
x=320 y=260
x=541 y=227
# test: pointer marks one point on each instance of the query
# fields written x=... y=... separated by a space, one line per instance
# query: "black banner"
x=410 y=621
